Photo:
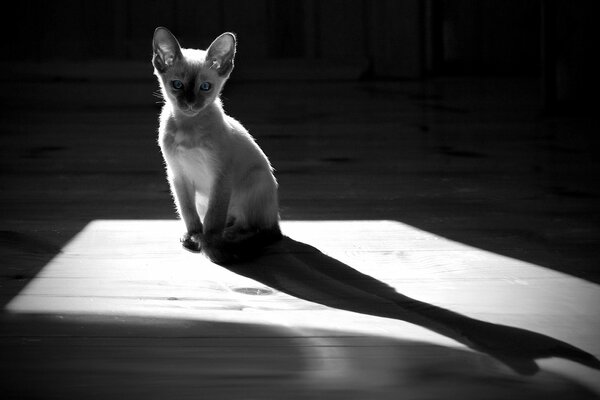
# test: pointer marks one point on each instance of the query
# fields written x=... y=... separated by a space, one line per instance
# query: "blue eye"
x=205 y=86
x=177 y=84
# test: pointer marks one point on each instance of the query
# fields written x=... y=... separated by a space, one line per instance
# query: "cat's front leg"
x=218 y=204
x=185 y=199
x=215 y=219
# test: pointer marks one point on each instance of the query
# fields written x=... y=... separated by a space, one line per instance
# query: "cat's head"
x=191 y=79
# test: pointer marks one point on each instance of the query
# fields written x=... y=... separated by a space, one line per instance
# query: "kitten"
x=222 y=182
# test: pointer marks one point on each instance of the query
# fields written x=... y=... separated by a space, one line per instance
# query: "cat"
x=222 y=182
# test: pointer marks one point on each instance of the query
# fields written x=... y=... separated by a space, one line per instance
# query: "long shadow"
x=305 y=272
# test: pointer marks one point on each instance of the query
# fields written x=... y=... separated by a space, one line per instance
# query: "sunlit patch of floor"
x=138 y=268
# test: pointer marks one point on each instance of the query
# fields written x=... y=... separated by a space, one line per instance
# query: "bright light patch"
x=138 y=268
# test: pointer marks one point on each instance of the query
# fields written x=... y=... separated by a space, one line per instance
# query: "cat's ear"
x=166 y=49
x=221 y=52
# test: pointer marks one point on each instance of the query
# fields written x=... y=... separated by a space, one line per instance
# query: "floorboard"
x=443 y=238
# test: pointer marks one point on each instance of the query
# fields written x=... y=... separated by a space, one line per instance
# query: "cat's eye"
x=177 y=84
x=205 y=86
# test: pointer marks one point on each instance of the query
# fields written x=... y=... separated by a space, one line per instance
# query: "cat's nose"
x=190 y=109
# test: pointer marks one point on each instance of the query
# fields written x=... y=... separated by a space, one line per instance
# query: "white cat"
x=222 y=182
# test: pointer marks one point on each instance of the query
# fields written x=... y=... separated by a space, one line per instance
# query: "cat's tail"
x=249 y=246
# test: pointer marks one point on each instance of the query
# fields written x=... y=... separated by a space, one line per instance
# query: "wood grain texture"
x=452 y=192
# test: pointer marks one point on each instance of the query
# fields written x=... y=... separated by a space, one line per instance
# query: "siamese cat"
x=222 y=182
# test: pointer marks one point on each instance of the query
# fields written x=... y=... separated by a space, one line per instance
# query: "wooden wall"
x=570 y=66
x=408 y=38
x=487 y=37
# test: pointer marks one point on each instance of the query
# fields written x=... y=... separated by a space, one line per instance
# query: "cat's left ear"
x=221 y=52
x=166 y=49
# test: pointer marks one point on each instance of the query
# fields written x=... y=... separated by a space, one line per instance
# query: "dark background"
x=363 y=39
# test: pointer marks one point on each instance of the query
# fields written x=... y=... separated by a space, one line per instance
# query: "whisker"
x=158 y=94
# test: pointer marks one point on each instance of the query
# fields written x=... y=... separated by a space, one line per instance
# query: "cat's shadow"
x=303 y=271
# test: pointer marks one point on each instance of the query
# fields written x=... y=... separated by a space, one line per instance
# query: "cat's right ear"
x=166 y=49
x=221 y=52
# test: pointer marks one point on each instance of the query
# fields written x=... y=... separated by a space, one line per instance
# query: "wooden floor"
x=443 y=240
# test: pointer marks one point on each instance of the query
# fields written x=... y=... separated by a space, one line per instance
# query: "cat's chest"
x=181 y=140
x=182 y=144
x=190 y=156
x=189 y=146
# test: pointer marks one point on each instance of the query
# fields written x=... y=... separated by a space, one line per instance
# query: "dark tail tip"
x=573 y=353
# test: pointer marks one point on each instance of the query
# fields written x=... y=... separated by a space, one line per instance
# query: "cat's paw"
x=192 y=241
